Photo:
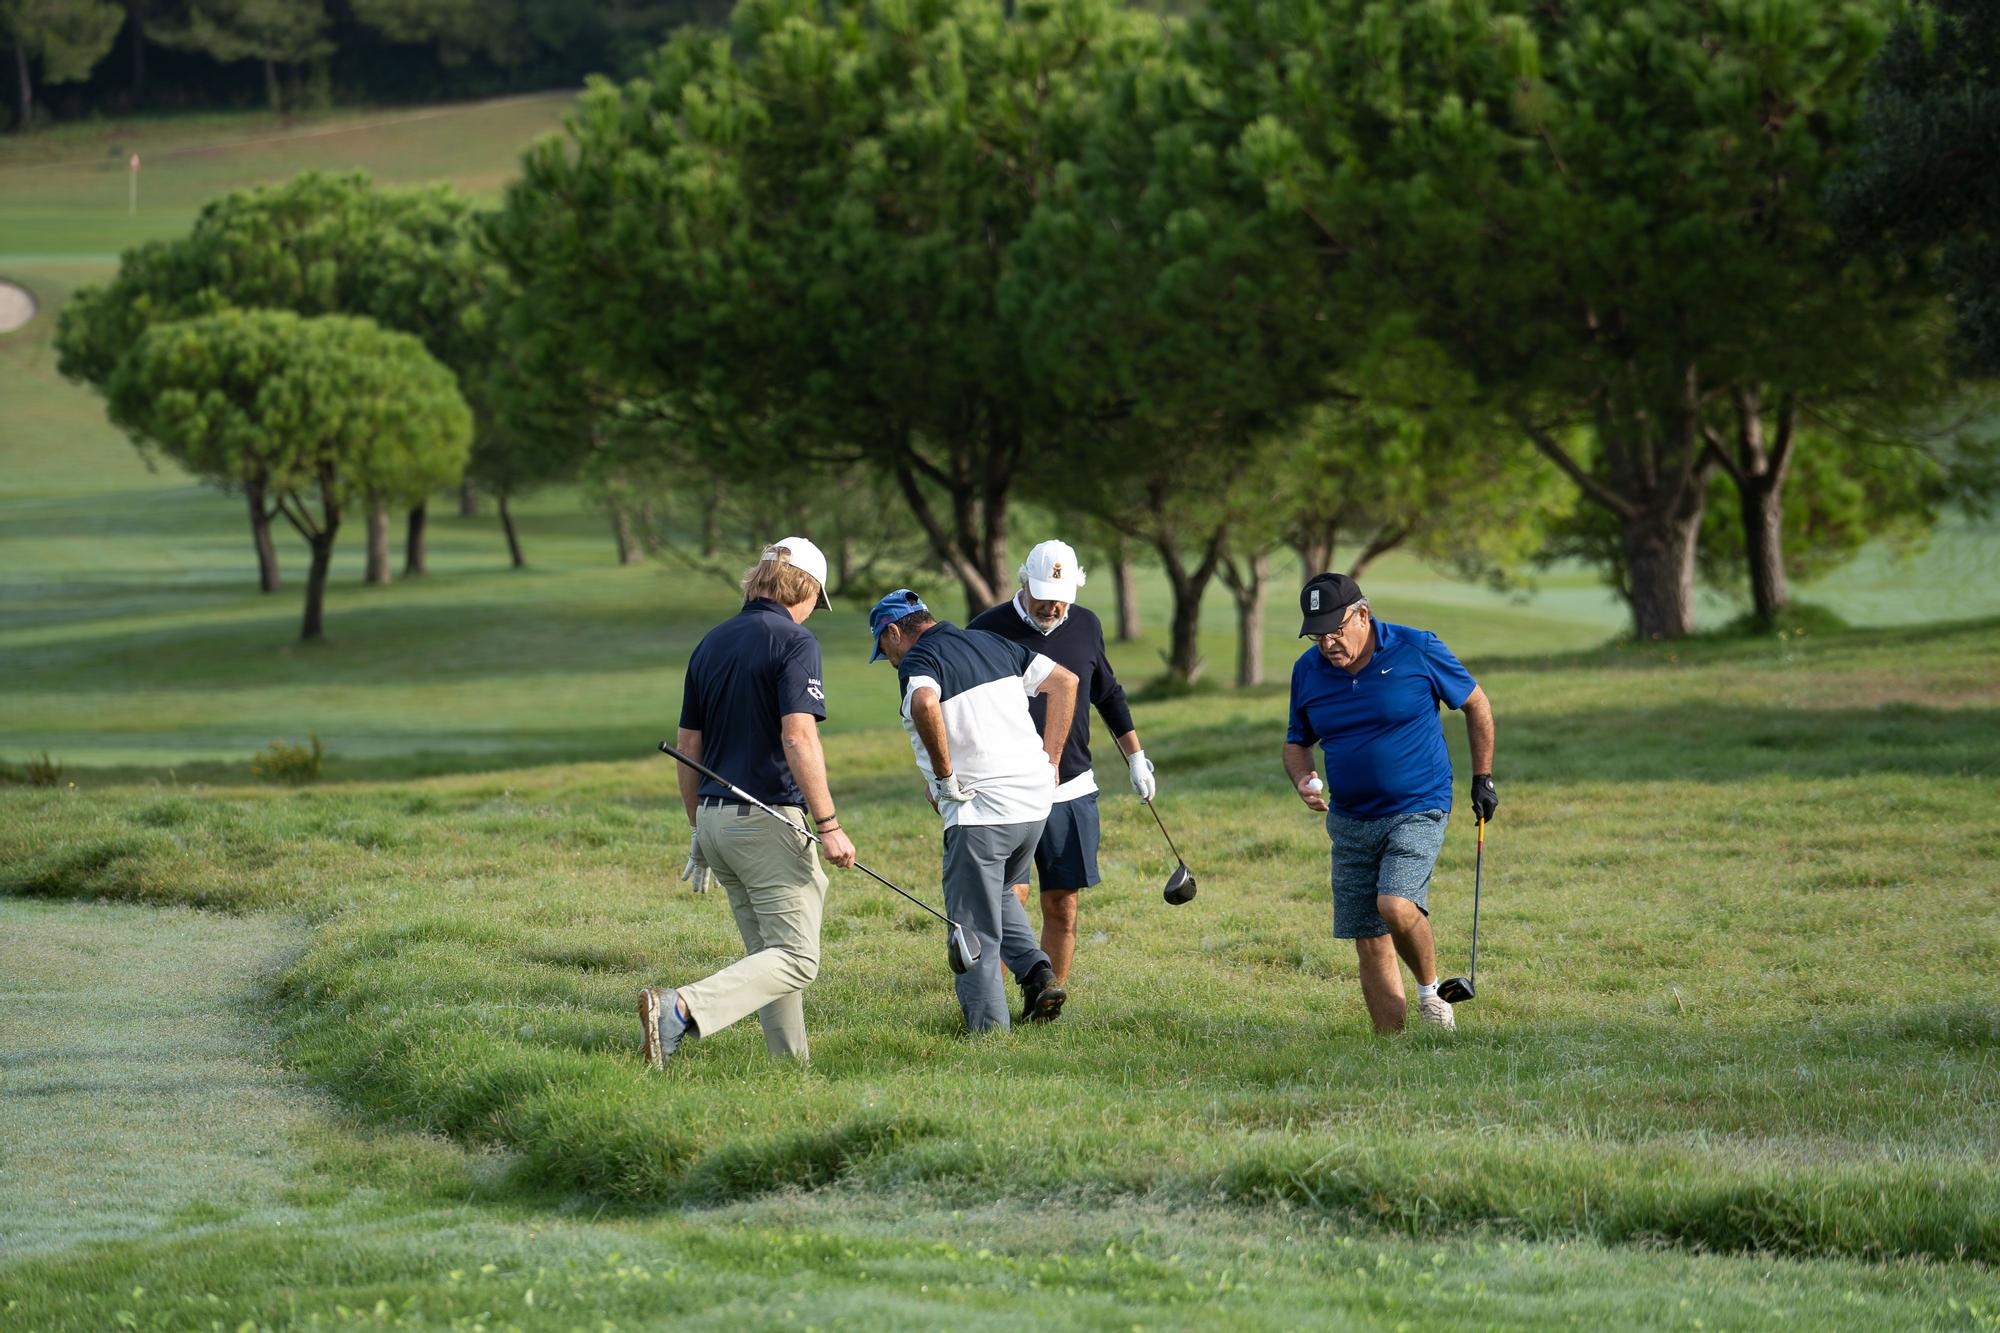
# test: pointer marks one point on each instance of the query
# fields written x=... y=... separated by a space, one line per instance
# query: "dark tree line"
x=74 y=58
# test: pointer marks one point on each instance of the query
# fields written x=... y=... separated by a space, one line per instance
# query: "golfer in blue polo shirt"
x=1367 y=693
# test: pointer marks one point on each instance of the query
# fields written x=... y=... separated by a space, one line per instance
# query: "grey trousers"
x=980 y=862
x=778 y=892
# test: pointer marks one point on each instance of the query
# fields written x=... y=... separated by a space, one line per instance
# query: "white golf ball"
x=1314 y=785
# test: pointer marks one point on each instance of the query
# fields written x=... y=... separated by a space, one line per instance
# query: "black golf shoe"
x=1041 y=999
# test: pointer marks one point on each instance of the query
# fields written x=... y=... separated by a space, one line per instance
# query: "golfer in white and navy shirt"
x=990 y=776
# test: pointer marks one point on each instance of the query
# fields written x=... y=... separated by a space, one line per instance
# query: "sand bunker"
x=16 y=307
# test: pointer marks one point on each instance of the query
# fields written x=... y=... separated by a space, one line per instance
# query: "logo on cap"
x=1315 y=597
x=1055 y=570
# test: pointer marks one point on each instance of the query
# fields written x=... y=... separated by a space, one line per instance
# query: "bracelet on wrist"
x=825 y=819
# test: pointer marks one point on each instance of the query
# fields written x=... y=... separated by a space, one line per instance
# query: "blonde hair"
x=776 y=577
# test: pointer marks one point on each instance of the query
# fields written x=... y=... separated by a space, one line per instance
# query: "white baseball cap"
x=1052 y=572
x=807 y=557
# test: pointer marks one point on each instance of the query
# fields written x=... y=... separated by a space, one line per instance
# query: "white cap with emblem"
x=1051 y=572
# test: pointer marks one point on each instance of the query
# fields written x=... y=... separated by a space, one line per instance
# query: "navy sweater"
x=1078 y=645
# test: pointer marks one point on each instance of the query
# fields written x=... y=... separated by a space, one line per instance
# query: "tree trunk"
x=416 y=557
x=322 y=560
x=1383 y=542
x=377 y=570
x=711 y=524
x=27 y=84
x=621 y=533
x=1315 y=548
x=843 y=561
x=1759 y=473
x=1764 y=546
x=1657 y=459
x=1184 y=631
x=993 y=547
x=1246 y=588
x=649 y=529
x=1659 y=570
x=1127 y=588
x=468 y=500
x=981 y=590
x=260 y=536
x=513 y=538
x=271 y=85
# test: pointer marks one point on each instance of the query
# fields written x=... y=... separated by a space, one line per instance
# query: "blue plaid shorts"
x=1391 y=856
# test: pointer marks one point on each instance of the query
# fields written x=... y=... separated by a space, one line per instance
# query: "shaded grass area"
x=1719 y=1011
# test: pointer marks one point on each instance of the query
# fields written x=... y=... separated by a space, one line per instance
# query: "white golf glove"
x=948 y=789
x=1143 y=783
x=696 y=872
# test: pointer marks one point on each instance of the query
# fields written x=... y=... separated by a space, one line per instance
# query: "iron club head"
x=1180 y=885
x=1455 y=990
x=961 y=949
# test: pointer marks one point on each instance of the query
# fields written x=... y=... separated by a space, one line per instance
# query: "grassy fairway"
x=364 y=1053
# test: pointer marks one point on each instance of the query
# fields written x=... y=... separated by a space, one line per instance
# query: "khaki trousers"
x=777 y=891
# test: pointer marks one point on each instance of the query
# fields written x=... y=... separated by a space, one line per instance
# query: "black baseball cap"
x=1323 y=603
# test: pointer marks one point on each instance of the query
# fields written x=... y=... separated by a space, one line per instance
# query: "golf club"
x=1457 y=990
x=961 y=947
x=1180 y=885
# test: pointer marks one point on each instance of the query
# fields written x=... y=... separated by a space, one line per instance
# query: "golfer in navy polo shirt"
x=750 y=709
x=1367 y=693
x=1043 y=617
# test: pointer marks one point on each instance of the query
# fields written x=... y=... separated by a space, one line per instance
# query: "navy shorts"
x=1066 y=857
x=1390 y=857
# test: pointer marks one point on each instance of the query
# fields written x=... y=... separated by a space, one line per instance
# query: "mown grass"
x=237 y=1198
x=1719 y=1008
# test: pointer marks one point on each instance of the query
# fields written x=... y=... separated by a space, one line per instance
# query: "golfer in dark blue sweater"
x=1044 y=616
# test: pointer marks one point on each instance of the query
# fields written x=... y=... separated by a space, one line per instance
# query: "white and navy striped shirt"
x=983 y=683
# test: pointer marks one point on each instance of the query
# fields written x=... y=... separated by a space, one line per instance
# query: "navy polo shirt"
x=745 y=675
x=1379 y=728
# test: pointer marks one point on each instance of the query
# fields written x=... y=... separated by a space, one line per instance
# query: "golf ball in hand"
x=1314 y=786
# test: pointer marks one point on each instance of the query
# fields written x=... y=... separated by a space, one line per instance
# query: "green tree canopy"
x=65 y=37
x=275 y=32
x=1606 y=214
x=322 y=412
x=1928 y=184
x=797 y=240
x=410 y=259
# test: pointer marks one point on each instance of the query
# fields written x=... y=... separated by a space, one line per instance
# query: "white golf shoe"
x=1434 y=1011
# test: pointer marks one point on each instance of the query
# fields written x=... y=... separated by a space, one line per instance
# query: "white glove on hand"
x=696 y=872
x=1143 y=783
x=949 y=789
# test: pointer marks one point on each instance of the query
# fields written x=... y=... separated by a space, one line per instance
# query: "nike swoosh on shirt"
x=1387 y=670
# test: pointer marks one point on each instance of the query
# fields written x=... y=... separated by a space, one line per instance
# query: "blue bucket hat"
x=889 y=610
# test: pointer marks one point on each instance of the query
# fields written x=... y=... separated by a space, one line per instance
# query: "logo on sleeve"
x=813 y=688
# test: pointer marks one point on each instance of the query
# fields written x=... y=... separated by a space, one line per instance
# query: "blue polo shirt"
x=745 y=675
x=1379 y=727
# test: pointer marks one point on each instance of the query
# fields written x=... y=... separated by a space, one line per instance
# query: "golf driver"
x=961 y=947
x=1180 y=884
x=1457 y=990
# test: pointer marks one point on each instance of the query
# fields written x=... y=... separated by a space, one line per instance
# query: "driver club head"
x=1455 y=990
x=961 y=949
x=1180 y=885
